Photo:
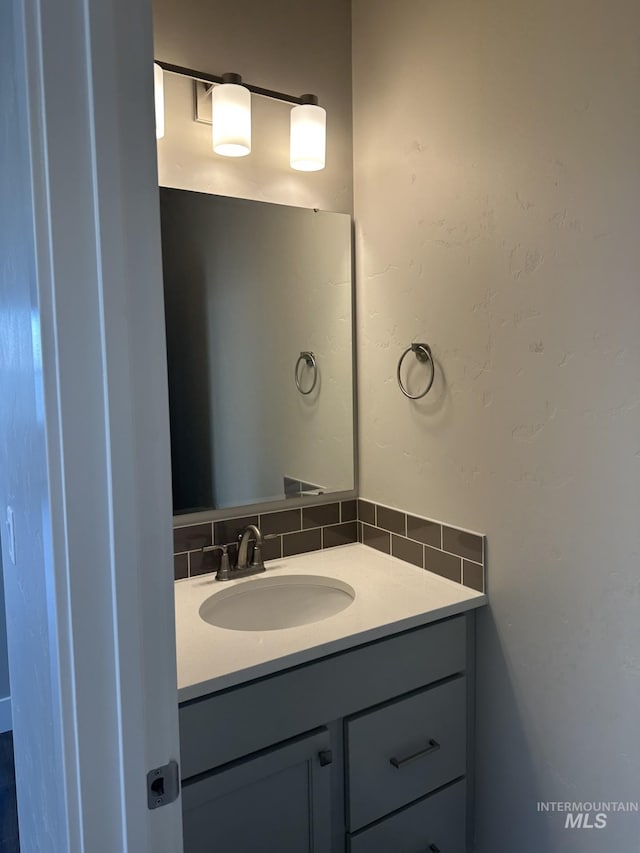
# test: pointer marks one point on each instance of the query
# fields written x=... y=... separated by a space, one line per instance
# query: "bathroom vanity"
x=348 y=733
x=325 y=705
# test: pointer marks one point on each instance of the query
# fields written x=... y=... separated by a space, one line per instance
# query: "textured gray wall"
x=497 y=155
x=293 y=46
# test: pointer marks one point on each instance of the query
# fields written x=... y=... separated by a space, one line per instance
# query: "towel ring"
x=424 y=355
x=310 y=360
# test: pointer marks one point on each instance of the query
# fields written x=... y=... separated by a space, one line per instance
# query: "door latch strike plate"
x=163 y=785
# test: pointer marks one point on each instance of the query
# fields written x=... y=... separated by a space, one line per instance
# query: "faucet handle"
x=224 y=572
x=257 y=560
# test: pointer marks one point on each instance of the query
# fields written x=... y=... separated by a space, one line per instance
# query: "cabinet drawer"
x=437 y=822
x=402 y=751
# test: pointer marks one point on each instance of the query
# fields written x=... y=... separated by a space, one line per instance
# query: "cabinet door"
x=277 y=800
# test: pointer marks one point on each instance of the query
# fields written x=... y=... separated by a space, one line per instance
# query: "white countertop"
x=391 y=596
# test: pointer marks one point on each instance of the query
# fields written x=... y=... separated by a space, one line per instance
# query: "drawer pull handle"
x=433 y=746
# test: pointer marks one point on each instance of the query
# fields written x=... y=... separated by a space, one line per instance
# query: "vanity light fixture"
x=158 y=95
x=231 y=117
x=308 y=135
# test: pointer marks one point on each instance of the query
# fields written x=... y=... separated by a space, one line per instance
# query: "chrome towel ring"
x=424 y=355
x=309 y=359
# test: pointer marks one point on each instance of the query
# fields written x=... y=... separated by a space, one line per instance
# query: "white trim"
x=95 y=698
x=6 y=722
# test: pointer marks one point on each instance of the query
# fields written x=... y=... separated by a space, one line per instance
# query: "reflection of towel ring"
x=423 y=354
x=310 y=360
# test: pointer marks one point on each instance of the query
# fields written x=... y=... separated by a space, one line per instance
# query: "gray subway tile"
x=272 y=548
x=300 y=543
x=227 y=531
x=391 y=519
x=348 y=510
x=180 y=566
x=192 y=537
x=203 y=563
x=473 y=575
x=359 y=531
x=445 y=565
x=285 y=521
x=320 y=515
x=425 y=531
x=407 y=550
x=376 y=538
x=340 y=534
x=366 y=512
x=468 y=545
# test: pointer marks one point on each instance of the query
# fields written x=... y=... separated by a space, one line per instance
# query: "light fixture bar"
x=256 y=90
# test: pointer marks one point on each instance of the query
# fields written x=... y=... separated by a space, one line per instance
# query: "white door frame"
x=84 y=428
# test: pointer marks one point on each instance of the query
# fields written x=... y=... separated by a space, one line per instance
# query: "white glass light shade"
x=158 y=92
x=231 y=117
x=308 y=138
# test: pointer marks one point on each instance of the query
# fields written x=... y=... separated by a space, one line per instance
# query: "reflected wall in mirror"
x=249 y=286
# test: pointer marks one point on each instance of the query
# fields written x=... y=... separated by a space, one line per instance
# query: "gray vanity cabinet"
x=363 y=751
x=277 y=800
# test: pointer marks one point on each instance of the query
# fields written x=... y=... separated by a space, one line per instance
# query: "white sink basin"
x=269 y=604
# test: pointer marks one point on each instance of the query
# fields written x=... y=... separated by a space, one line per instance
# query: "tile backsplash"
x=451 y=552
x=291 y=531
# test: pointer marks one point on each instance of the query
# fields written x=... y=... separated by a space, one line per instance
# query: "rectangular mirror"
x=249 y=288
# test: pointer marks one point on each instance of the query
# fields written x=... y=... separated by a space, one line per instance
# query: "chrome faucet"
x=243 y=566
